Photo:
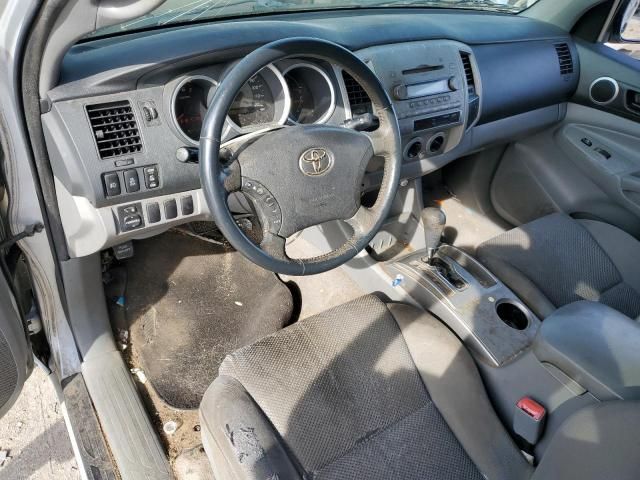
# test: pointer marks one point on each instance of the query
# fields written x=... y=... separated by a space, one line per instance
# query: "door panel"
x=16 y=359
x=598 y=61
x=589 y=164
x=555 y=171
x=610 y=158
x=15 y=354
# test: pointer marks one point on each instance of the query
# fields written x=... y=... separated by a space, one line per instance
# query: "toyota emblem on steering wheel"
x=316 y=161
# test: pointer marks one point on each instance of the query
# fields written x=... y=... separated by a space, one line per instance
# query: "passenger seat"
x=556 y=260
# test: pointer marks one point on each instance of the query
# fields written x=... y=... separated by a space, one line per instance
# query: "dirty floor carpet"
x=189 y=303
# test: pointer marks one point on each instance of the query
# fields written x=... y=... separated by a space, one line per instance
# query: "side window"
x=630 y=37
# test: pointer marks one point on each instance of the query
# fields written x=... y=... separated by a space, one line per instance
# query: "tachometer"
x=254 y=104
x=263 y=101
x=190 y=104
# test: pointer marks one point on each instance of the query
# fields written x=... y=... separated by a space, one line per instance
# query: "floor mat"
x=190 y=303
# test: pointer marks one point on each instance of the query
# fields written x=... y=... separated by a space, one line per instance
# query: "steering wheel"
x=304 y=175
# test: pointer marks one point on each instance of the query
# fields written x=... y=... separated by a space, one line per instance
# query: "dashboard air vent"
x=358 y=99
x=564 y=58
x=468 y=71
x=473 y=109
x=114 y=129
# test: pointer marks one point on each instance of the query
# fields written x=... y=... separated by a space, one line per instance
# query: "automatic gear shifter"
x=434 y=221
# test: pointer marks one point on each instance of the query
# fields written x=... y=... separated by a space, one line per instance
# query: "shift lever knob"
x=434 y=220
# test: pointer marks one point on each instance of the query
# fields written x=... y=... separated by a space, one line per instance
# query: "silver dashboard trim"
x=616 y=87
x=332 y=105
x=285 y=110
x=174 y=94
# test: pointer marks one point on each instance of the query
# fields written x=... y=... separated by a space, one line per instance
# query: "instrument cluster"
x=292 y=92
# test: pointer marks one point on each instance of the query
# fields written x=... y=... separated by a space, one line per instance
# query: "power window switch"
x=153 y=212
x=603 y=152
x=111 y=184
x=131 y=181
x=186 y=204
x=587 y=142
x=170 y=209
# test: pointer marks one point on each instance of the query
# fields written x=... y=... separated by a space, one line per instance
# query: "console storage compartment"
x=596 y=346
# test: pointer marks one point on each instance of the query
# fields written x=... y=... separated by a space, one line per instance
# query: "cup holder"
x=512 y=314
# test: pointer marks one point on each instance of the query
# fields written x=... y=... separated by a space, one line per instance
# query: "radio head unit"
x=426 y=82
x=424 y=89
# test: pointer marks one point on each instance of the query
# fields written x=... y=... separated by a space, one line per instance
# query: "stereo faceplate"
x=427 y=84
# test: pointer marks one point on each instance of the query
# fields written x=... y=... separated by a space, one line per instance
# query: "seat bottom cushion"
x=556 y=260
x=338 y=395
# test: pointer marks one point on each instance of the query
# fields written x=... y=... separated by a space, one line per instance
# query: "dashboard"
x=293 y=92
x=126 y=107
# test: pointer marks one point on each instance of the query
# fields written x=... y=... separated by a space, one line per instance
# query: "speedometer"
x=254 y=104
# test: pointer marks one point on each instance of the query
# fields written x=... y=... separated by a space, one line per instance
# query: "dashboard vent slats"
x=473 y=108
x=358 y=99
x=115 y=129
x=564 y=58
x=468 y=70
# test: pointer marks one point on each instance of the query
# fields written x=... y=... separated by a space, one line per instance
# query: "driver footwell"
x=189 y=303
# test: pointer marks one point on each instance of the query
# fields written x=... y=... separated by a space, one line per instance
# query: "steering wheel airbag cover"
x=313 y=198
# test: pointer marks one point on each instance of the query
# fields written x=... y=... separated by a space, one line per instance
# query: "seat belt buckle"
x=529 y=420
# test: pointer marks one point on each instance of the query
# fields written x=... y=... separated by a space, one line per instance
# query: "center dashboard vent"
x=359 y=101
x=473 y=108
x=564 y=58
x=468 y=71
x=115 y=129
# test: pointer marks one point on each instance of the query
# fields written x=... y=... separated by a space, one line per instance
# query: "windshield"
x=185 y=11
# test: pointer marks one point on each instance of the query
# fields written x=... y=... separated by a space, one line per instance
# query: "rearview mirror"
x=630 y=22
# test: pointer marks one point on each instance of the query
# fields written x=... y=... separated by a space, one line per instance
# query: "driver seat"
x=366 y=390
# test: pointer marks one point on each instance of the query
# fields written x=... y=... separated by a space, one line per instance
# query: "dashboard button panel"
x=151 y=177
x=111 y=184
x=153 y=212
x=186 y=205
x=170 y=209
x=128 y=181
x=130 y=217
x=131 y=181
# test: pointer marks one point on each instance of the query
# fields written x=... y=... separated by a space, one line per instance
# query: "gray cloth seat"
x=556 y=260
x=363 y=391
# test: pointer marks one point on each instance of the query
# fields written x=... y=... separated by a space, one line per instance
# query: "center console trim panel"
x=469 y=311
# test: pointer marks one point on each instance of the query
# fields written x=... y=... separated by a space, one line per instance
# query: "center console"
x=520 y=357
x=583 y=354
x=433 y=89
x=480 y=309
